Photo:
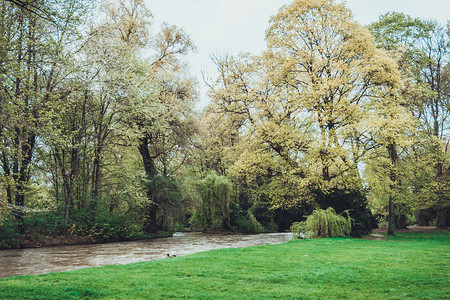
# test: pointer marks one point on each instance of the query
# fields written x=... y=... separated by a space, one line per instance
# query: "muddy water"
x=66 y=258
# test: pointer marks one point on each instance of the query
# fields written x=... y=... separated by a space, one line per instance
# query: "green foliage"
x=323 y=223
x=293 y=128
x=9 y=236
x=214 y=210
x=246 y=222
x=421 y=49
x=355 y=203
x=309 y=113
x=169 y=194
x=47 y=223
x=394 y=28
x=104 y=226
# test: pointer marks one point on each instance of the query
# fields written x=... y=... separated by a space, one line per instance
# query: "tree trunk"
x=150 y=221
x=442 y=218
x=75 y=160
x=20 y=201
x=401 y=221
x=72 y=181
x=280 y=218
x=7 y=172
x=442 y=211
x=27 y=153
x=96 y=172
x=393 y=176
x=391 y=217
x=102 y=130
x=96 y=179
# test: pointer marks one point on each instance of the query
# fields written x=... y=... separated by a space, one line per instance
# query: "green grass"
x=407 y=266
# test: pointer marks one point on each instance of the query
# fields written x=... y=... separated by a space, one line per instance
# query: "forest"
x=100 y=139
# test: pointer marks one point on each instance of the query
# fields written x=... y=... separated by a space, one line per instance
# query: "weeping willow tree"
x=323 y=223
x=213 y=212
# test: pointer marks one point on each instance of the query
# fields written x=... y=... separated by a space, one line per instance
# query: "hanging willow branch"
x=323 y=223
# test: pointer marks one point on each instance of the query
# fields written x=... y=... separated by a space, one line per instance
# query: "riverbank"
x=64 y=240
x=40 y=241
x=411 y=265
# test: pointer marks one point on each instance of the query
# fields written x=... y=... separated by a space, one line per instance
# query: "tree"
x=157 y=94
x=421 y=48
x=34 y=65
x=314 y=103
x=214 y=210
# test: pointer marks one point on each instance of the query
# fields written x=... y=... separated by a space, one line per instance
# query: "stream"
x=66 y=258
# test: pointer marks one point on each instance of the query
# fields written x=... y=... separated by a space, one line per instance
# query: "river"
x=66 y=258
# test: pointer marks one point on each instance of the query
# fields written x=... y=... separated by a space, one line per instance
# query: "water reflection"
x=66 y=258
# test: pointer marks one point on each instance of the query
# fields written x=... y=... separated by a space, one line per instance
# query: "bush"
x=214 y=211
x=106 y=227
x=323 y=223
x=49 y=223
x=246 y=222
x=352 y=201
x=9 y=236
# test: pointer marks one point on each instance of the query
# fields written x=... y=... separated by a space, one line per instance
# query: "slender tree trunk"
x=72 y=182
x=97 y=153
x=96 y=177
x=7 y=171
x=56 y=186
x=393 y=176
x=24 y=176
x=442 y=212
x=95 y=183
x=75 y=161
x=391 y=216
x=9 y=194
x=102 y=130
x=96 y=173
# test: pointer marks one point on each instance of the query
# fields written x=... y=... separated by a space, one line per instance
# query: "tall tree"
x=313 y=102
x=423 y=54
x=157 y=94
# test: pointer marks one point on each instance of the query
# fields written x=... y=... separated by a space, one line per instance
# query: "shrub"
x=106 y=226
x=354 y=202
x=9 y=236
x=323 y=223
x=214 y=211
x=246 y=222
x=49 y=222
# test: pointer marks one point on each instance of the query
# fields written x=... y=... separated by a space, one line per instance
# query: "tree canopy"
x=99 y=137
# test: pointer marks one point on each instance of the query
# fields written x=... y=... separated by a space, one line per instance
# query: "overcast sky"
x=234 y=26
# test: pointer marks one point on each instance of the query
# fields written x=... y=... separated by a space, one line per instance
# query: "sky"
x=219 y=27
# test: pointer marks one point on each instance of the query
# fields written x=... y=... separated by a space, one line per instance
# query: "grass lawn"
x=409 y=265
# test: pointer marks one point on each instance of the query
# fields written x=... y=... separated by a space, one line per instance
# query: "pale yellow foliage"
x=314 y=104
